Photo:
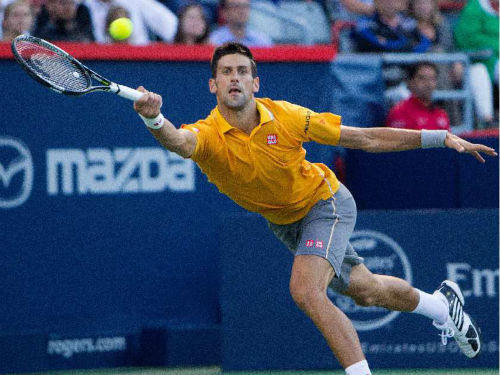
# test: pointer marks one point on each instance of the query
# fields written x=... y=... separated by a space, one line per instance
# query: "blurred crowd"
x=361 y=26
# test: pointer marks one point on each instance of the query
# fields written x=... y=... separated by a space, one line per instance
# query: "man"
x=477 y=31
x=64 y=20
x=235 y=13
x=251 y=149
x=388 y=30
x=149 y=17
x=18 y=19
x=418 y=111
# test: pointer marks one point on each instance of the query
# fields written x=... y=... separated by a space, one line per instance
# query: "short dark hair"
x=232 y=48
x=414 y=68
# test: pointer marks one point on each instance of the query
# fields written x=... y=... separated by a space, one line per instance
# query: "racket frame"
x=107 y=85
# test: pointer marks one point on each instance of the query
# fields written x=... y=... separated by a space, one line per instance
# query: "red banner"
x=169 y=52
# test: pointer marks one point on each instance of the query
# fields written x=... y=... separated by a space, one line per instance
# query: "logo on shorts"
x=382 y=255
x=313 y=243
x=272 y=139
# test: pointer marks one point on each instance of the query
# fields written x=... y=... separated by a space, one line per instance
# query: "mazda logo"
x=16 y=172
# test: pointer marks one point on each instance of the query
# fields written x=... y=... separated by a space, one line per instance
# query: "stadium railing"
x=462 y=94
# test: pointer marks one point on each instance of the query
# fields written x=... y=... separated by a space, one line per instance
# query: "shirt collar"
x=265 y=116
x=420 y=103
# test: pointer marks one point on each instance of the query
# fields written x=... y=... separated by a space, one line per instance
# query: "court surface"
x=217 y=371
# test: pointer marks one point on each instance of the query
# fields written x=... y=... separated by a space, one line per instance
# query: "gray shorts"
x=325 y=232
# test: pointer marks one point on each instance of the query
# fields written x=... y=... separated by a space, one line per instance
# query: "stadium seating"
x=291 y=22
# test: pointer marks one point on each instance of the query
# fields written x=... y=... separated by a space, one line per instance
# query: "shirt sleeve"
x=307 y=125
x=204 y=140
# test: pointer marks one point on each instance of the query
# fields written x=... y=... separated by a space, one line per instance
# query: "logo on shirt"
x=319 y=244
x=272 y=139
x=308 y=121
x=442 y=123
x=309 y=243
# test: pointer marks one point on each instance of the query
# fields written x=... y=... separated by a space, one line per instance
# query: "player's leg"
x=319 y=242
x=368 y=289
x=444 y=306
x=310 y=277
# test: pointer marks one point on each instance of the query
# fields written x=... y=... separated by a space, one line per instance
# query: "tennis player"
x=251 y=149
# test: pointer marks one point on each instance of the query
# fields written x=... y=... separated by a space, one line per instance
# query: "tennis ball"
x=121 y=28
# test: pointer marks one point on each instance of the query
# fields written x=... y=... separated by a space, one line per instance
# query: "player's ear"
x=212 y=85
x=256 y=84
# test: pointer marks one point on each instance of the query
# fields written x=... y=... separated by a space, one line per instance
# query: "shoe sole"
x=454 y=286
x=479 y=336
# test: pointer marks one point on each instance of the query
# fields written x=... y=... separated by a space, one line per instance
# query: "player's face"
x=424 y=83
x=234 y=85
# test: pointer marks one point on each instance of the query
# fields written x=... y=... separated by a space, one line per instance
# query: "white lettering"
x=100 y=170
x=69 y=161
x=122 y=170
x=67 y=348
x=474 y=282
x=154 y=158
x=181 y=174
x=490 y=278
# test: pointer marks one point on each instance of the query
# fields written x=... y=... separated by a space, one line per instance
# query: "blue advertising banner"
x=107 y=239
x=110 y=244
x=263 y=329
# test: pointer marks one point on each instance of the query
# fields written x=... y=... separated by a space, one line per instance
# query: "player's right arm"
x=180 y=141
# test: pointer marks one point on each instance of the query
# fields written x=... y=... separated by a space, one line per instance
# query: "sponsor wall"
x=110 y=244
x=263 y=329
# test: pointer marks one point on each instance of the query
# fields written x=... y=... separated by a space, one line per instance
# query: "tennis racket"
x=61 y=72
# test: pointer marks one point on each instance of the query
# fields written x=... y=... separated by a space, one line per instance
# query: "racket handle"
x=126 y=92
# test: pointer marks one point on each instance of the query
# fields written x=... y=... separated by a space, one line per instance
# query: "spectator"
x=114 y=13
x=152 y=20
x=235 y=13
x=193 y=27
x=437 y=29
x=432 y=24
x=359 y=7
x=36 y=6
x=3 y=5
x=418 y=111
x=349 y=10
x=64 y=20
x=477 y=31
x=388 y=30
x=18 y=19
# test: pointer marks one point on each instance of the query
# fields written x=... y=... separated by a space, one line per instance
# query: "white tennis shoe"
x=459 y=325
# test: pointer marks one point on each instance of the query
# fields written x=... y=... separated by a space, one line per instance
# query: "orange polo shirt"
x=266 y=171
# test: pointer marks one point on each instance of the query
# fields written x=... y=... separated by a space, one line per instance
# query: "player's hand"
x=148 y=105
x=463 y=146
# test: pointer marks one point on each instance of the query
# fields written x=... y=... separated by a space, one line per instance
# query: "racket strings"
x=52 y=67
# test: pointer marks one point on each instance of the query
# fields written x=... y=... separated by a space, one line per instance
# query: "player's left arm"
x=390 y=139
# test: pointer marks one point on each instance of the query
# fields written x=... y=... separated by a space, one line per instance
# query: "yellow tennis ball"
x=121 y=28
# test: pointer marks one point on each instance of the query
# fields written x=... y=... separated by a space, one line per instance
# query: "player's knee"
x=365 y=299
x=370 y=295
x=304 y=294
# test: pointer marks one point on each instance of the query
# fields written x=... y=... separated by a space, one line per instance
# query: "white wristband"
x=432 y=138
x=153 y=123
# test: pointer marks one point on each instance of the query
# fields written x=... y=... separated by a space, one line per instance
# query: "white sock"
x=359 y=368
x=432 y=307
